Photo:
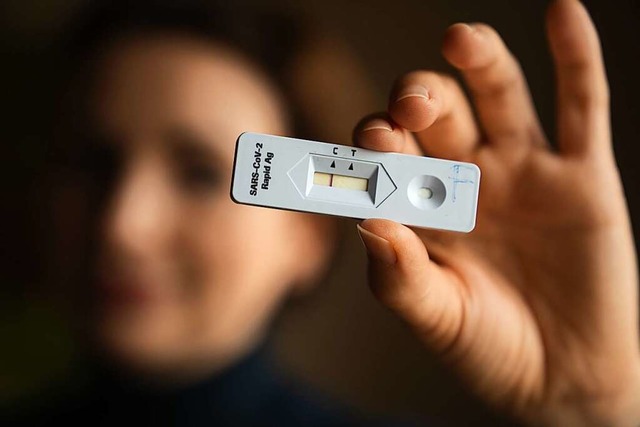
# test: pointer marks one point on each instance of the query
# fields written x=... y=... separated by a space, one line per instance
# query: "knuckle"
x=587 y=100
x=587 y=96
x=499 y=89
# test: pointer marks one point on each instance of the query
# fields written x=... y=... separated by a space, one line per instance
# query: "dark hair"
x=269 y=37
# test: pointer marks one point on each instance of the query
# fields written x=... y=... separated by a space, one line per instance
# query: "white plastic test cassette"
x=309 y=176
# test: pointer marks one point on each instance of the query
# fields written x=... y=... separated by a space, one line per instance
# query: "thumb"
x=427 y=296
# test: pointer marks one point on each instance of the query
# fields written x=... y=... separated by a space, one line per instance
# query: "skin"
x=186 y=280
x=537 y=308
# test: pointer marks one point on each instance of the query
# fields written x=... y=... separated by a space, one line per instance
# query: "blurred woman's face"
x=186 y=279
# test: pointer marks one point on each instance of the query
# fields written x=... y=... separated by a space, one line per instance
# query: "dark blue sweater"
x=250 y=393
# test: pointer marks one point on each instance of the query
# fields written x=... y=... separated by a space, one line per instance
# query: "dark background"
x=338 y=338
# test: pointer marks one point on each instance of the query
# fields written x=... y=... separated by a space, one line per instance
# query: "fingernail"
x=474 y=29
x=467 y=26
x=378 y=124
x=377 y=247
x=412 y=91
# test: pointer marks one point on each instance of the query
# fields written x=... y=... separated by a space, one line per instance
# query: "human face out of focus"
x=185 y=279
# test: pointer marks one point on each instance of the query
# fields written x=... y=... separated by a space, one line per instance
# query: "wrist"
x=620 y=409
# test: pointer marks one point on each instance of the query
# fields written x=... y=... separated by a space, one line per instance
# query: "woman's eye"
x=199 y=177
x=98 y=162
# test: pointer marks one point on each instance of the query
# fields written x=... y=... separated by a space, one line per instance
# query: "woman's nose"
x=138 y=218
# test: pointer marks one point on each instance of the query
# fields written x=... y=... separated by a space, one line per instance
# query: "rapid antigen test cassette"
x=309 y=176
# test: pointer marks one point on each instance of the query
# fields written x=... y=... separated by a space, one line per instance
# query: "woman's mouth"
x=119 y=291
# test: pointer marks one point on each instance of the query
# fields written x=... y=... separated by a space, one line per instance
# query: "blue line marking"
x=459 y=180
